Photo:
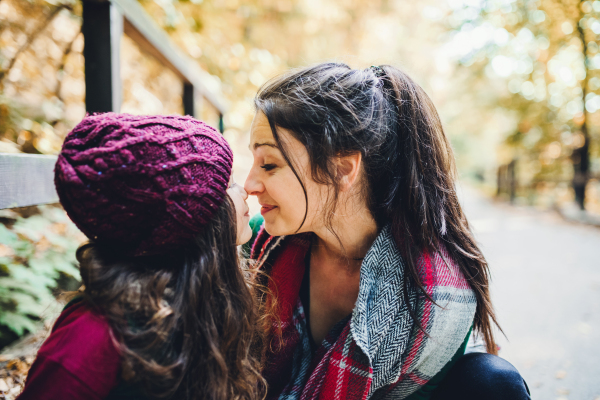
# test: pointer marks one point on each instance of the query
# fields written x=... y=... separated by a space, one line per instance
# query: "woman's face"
x=272 y=180
x=238 y=195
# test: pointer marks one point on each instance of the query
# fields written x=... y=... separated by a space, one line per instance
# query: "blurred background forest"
x=517 y=84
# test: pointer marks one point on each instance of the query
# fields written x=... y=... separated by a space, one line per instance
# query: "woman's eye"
x=268 y=167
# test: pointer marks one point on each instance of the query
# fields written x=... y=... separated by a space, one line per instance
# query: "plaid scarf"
x=377 y=352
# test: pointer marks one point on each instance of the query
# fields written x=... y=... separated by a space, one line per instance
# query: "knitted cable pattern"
x=147 y=183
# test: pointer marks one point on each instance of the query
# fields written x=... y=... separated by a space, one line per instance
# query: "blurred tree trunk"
x=581 y=155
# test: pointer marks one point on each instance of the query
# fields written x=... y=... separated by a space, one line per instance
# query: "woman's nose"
x=253 y=186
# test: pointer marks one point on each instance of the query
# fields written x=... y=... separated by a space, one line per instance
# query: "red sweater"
x=78 y=361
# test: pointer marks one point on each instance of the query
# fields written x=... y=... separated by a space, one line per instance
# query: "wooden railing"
x=104 y=23
x=26 y=179
x=509 y=186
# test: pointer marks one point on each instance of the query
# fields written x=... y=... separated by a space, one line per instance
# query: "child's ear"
x=348 y=168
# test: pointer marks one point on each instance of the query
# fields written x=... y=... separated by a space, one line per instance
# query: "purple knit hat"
x=146 y=183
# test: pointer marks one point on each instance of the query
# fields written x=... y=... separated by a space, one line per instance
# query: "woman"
x=165 y=311
x=374 y=278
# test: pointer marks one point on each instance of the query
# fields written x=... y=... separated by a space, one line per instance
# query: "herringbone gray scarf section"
x=381 y=323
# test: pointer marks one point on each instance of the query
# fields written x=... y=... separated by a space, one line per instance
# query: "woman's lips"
x=266 y=208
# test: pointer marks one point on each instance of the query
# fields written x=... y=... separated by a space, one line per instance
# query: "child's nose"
x=243 y=192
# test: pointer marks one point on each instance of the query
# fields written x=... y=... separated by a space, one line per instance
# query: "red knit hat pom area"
x=145 y=183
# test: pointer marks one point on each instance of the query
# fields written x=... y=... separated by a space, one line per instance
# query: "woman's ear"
x=348 y=169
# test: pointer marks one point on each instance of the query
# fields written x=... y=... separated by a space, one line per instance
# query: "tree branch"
x=61 y=67
x=40 y=28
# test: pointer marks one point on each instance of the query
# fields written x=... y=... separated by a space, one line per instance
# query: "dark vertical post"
x=499 y=180
x=102 y=30
x=512 y=179
x=221 y=124
x=581 y=167
x=188 y=99
x=581 y=156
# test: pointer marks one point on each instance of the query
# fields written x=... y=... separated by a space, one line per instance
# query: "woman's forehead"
x=261 y=136
x=260 y=132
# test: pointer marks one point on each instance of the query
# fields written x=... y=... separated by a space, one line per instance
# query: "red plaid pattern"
x=340 y=368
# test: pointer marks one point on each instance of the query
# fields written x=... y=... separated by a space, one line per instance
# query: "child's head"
x=147 y=184
x=155 y=197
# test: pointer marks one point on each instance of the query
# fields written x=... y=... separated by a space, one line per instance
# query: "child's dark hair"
x=408 y=165
x=184 y=321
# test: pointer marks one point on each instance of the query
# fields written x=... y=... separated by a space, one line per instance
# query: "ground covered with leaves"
x=15 y=361
x=12 y=376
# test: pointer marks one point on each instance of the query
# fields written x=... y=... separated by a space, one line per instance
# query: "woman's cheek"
x=292 y=208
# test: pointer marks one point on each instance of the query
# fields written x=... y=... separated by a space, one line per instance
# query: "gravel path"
x=546 y=290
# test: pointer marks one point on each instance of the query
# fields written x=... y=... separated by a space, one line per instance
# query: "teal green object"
x=427 y=390
x=256 y=222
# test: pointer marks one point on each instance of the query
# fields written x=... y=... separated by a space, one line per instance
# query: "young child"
x=165 y=311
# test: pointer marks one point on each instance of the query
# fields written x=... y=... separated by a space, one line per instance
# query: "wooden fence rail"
x=26 y=180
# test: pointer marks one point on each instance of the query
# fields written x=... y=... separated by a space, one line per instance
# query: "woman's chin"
x=271 y=229
x=275 y=229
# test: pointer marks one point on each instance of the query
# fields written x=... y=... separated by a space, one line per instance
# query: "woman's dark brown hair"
x=185 y=321
x=382 y=113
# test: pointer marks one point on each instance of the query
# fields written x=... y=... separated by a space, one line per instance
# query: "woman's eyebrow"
x=257 y=145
